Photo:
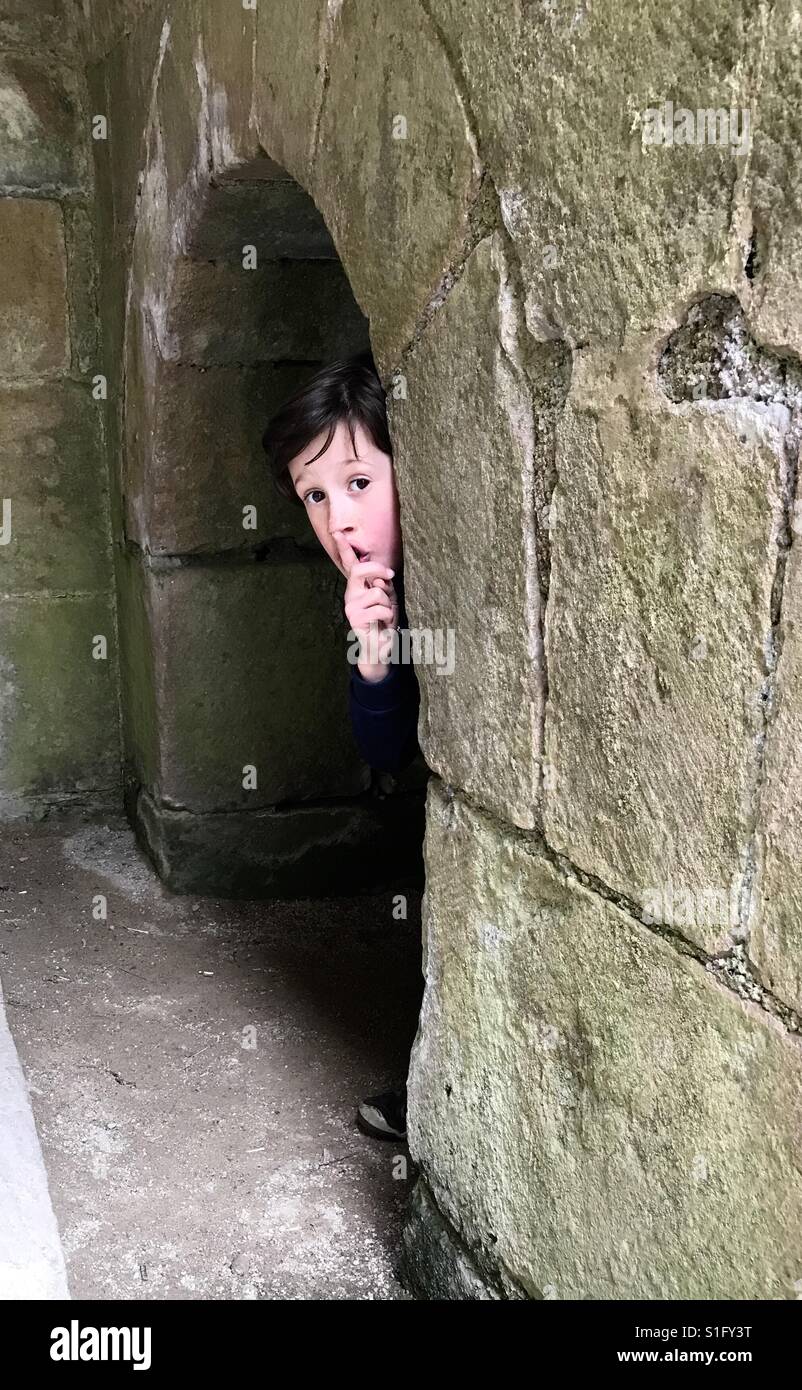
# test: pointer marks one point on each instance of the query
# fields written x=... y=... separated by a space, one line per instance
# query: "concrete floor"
x=194 y=1067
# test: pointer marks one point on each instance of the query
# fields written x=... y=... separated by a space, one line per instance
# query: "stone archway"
x=241 y=773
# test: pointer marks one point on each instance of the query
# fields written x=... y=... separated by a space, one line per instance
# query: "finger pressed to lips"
x=360 y=569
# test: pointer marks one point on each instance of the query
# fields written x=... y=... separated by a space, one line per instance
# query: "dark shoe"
x=384 y=1116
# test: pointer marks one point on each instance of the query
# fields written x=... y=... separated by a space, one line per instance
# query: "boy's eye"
x=316 y=491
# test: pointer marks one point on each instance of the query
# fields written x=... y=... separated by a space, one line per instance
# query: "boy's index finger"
x=347 y=555
x=376 y=576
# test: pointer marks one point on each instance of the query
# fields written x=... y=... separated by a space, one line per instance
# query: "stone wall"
x=59 y=716
x=591 y=346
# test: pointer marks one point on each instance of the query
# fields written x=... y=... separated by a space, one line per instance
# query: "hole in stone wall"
x=752 y=263
x=713 y=355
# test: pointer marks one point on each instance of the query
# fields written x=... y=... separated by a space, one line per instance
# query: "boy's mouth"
x=361 y=554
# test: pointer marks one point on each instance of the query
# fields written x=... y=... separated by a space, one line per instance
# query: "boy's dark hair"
x=350 y=390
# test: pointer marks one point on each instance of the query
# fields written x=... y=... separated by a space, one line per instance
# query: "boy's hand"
x=371 y=607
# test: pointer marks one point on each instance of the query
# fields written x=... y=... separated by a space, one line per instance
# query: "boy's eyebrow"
x=343 y=461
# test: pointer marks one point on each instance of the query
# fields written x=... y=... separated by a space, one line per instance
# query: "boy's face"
x=353 y=497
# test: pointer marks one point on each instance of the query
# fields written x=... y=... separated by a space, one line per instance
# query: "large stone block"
x=463 y=448
x=595 y=1115
x=39 y=138
x=395 y=196
x=250 y=668
x=33 y=289
x=222 y=313
x=58 y=705
x=609 y=227
x=195 y=458
x=53 y=472
x=663 y=551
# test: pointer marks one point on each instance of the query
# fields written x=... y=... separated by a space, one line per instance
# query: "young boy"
x=329 y=451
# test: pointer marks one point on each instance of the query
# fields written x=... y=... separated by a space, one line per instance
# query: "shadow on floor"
x=195 y=1065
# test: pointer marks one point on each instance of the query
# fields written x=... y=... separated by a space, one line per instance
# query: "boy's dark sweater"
x=384 y=714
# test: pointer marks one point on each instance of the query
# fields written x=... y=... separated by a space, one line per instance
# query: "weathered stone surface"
x=53 y=471
x=35 y=339
x=229 y=58
x=289 y=309
x=396 y=208
x=58 y=704
x=182 y=113
x=122 y=90
x=609 y=229
x=587 y=1106
x=38 y=129
x=463 y=460
x=663 y=556
x=37 y=24
x=195 y=460
x=290 y=71
x=776 y=944
x=260 y=679
x=105 y=23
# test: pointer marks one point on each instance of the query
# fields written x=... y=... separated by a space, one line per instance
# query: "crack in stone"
x=547 y=367
x=544 y=370
x=458 y=78
x=732 y=968
x=325 y=42
x=744 y=225
x=483 y=212
x=536 y=367
x=789 y=471
x=477 y=232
